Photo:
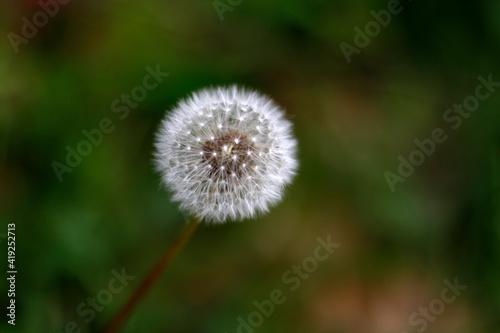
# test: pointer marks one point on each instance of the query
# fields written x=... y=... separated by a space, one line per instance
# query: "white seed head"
x=226 y=153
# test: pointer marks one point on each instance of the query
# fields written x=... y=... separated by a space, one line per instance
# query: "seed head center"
x=227 y=155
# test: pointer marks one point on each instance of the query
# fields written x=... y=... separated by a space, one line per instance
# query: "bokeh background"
x=352 y=121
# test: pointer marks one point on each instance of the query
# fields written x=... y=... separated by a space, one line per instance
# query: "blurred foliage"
x=352 y=120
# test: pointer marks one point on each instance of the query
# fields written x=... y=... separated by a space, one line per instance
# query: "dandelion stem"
x=153 y=276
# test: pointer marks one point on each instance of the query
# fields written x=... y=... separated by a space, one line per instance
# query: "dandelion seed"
x=236 y=174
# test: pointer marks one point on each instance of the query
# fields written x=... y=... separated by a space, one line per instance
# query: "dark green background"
x=352 y=121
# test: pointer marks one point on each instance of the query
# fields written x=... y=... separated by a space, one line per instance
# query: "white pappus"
x=226 y=153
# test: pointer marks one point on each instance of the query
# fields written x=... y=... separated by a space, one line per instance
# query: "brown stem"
x=153 y=275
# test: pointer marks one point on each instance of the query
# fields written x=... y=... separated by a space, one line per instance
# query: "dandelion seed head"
x=226 y=153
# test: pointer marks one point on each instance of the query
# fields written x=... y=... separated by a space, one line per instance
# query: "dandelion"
x=226 y=153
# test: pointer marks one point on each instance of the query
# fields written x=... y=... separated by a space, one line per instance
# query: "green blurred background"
x=352 y=121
